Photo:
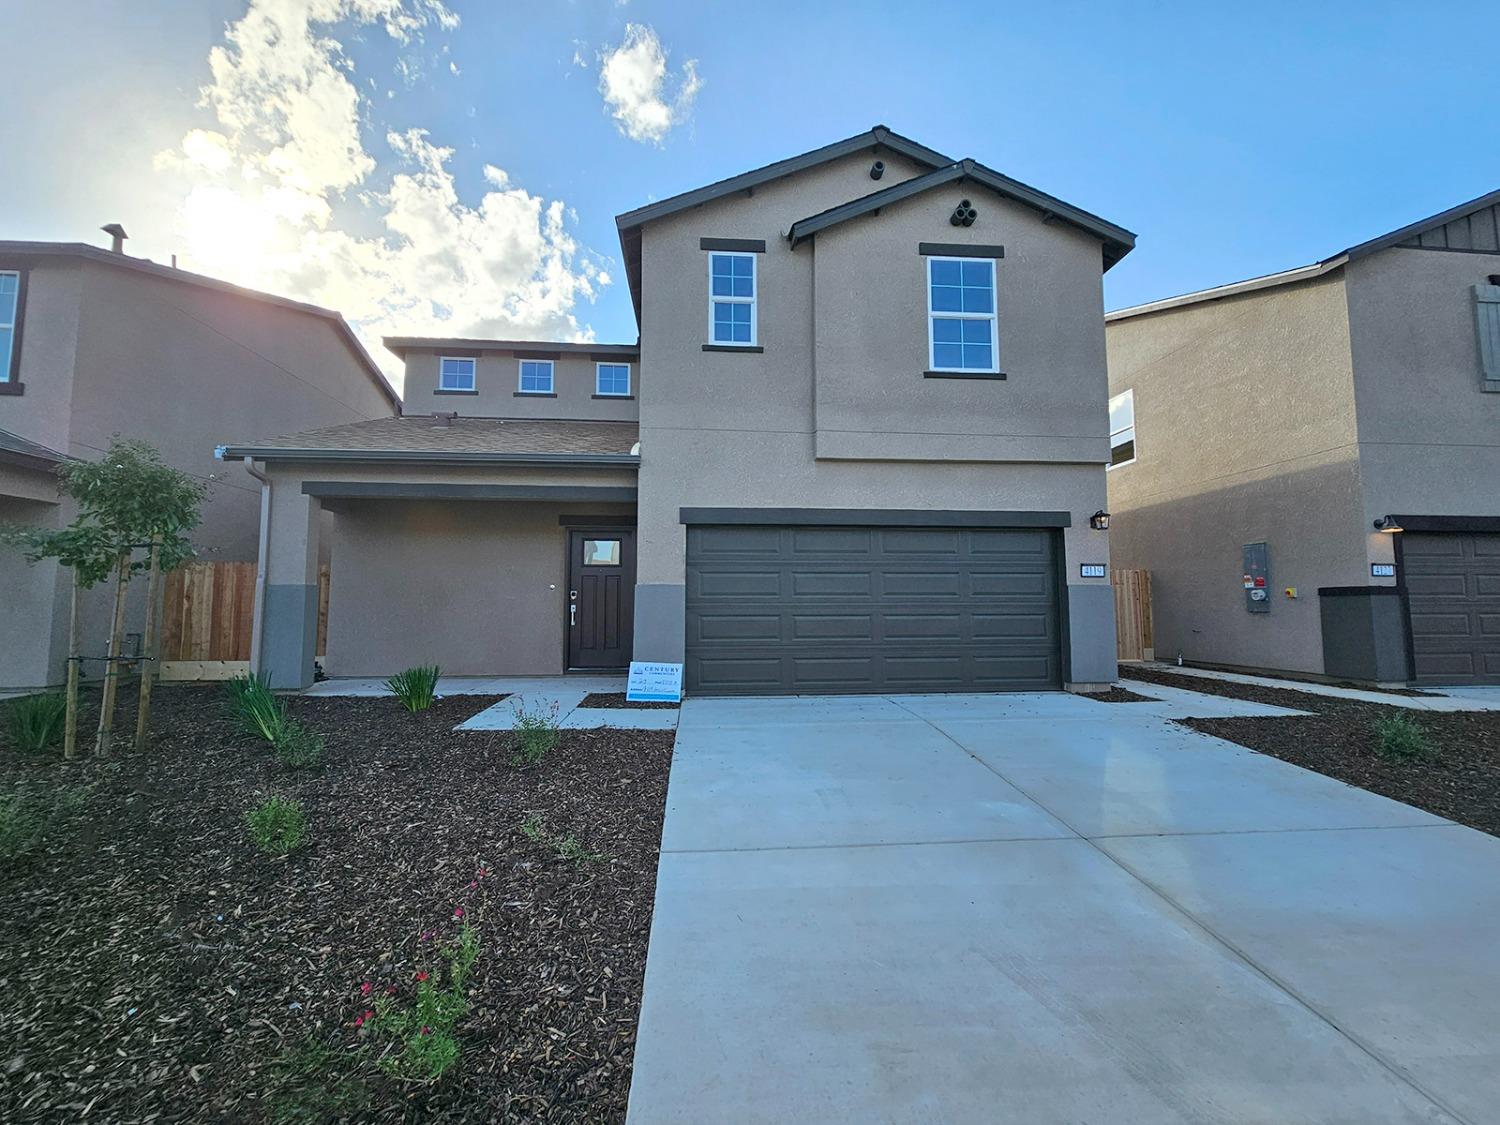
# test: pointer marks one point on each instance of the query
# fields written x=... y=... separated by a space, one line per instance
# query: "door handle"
x=573 y=613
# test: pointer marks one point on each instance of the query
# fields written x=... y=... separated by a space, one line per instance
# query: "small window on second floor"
x=612 y=379
x=731 y=299
x=536 y=377
x=456 y=373
x=961 y=315
x=1122 y=429
x=10 y=289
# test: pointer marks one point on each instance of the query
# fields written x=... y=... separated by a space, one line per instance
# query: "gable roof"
x=1434 y=232
x=26 y=454
x=89 y=253
x=880 y=137
x=1117 y=240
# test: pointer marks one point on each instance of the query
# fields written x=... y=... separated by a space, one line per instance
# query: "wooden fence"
x=207 y=610
x=1133 y=639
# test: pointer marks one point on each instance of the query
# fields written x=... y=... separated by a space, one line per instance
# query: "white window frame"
x=993 y=316
x=751 y=300
x=629 y=379
x=551 y=377
x=1129 y=393
x=10 y=358
x=473 y=373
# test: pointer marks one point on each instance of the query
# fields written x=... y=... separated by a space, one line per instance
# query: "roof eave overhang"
x=28 y=461
x=1234 y=289
x=415 y=457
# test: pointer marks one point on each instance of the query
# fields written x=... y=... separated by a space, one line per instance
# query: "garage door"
x=810 y=610
x=1453 y=595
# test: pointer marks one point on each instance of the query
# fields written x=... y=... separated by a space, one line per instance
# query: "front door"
x=601 y=596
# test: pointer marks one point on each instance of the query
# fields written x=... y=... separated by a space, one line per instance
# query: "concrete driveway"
x=1042 y=909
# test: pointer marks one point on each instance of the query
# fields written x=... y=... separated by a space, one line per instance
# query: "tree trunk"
x=70 y=726
x=149 y=644
x=106 y=730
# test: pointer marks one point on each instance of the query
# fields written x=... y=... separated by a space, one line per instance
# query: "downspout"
x=258 y=613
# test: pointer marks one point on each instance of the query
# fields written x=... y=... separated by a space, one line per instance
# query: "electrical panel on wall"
x=1257 y=578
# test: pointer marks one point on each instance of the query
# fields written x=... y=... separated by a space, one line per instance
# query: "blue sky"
x=1232 y=141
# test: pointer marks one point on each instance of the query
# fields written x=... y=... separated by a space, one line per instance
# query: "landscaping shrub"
x=1402 y=739
x=277 y=825
x=299 y=748
x=314 y=1082
x=564 y=847
x=422 y=1026
x=259 y=711
x=536 y=734
x=36 y=721
x=416 y=688
x=26 y=820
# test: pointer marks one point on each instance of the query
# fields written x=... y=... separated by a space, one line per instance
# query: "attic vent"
x=964 y=214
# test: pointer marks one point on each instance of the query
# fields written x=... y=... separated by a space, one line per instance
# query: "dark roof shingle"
x=419 y=437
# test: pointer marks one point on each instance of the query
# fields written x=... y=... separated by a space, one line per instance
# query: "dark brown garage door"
x=1453 y=594
x=822 y=610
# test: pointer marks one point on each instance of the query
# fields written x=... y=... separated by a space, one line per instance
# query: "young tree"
x=128 y=502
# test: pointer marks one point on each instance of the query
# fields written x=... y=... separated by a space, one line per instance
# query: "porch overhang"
x=431 y=490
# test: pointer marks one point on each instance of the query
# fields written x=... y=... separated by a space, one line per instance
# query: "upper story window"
x=1122 y=429
x=961 y=315
x=536 y=377
x=612 y=379
x=456 y=373
x=10 y=297
x=731 y=299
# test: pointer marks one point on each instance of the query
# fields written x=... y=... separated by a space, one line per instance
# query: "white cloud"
x=285 y=194
x=634 y=81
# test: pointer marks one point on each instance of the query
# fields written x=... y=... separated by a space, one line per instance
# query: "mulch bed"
x=617 y=699
x=1461 y=781
x=159 y=968
x=1116 y=695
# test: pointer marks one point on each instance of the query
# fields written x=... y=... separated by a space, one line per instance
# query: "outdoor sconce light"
x=1099 y=521
x=1387 y=524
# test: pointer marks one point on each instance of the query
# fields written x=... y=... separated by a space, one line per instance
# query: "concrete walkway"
x=531 y=693
x=1441 y=699
x=1042 y=909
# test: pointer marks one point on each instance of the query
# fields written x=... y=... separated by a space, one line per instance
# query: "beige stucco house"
x=95 y=343
x=1327 y=436
x=857 y=448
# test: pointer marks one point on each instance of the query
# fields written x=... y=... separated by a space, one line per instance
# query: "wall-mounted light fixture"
x=1387 y=524
x=1099 y=521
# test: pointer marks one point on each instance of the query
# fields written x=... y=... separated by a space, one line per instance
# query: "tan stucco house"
x=857 y=448
x=95 y=343
x=1303 y=460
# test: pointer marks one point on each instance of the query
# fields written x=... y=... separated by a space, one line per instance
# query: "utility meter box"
x=1257 y=578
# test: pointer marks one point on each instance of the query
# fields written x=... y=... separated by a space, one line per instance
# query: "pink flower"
x=390 y=990
x=458 y=912
x=473 y=883
x=427 y=1031
x=426 y=935
x=422 y=975
x=359 y=1021
x=364 y=989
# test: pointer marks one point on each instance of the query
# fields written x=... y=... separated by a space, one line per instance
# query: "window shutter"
x=1487 y=323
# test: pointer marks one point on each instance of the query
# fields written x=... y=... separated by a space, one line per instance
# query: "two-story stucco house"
x=1303 y=460
x=95 y=343
x=858 y=447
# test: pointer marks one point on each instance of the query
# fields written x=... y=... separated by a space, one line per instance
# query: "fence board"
x=1133 y=630
x=208 y=611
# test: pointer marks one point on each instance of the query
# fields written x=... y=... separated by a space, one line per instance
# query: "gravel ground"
x=159 y=968
x=617 y=699
x=1460 y=779
x=1116 y=695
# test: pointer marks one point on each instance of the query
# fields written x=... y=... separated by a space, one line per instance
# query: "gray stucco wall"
x=113 y=351
x=1429 y=437
x=1245 y=432
x=746 y=430
x=497 y=379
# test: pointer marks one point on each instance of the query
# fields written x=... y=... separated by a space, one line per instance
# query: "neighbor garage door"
x=1453 y=595
x=809 y=610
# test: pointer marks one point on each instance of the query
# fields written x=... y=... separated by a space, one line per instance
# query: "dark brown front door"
x=601 y=596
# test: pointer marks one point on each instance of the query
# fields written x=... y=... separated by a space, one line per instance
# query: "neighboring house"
x=1332 y=430
x=858 y=449
x=95 y=343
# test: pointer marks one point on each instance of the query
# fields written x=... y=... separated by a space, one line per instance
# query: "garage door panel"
x=1453 y=605
x=872 y=609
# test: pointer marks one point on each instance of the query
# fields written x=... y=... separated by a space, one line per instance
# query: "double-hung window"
x=731 y=299
x=10 y=298
x=456 y=373
x=536 y=377
x=612 y=379
x=1122 y=429
x=961 y=315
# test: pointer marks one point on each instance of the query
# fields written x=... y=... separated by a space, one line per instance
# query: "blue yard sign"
x=654 y=683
